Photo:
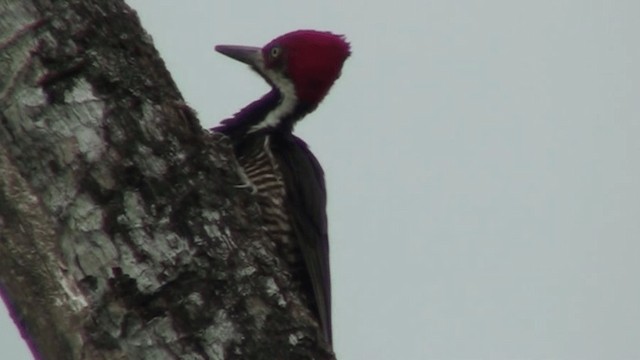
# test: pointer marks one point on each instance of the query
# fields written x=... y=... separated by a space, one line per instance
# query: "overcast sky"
x=482 y=167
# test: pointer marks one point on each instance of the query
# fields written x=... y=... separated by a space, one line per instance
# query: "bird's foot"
x=249 y=185
x=246 y=183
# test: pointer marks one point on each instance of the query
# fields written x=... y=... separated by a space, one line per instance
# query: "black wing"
x=307 y=202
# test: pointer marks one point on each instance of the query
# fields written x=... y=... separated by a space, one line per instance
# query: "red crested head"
x=301 y=64
x=311 y=59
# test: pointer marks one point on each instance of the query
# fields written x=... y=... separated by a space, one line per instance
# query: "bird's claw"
x=254 y=189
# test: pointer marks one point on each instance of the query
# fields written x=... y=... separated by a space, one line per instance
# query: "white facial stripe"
x=287 y=103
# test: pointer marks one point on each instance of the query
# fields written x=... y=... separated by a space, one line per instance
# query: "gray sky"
x=482 y=165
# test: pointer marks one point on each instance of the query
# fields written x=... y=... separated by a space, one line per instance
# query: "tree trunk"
x=123 y=231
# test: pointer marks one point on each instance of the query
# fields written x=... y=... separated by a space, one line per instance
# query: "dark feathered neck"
x=251 y=119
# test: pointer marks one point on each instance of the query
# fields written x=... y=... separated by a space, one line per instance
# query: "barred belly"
x=262 y=169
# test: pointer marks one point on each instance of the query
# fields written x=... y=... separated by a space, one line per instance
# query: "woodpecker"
x=300 y=67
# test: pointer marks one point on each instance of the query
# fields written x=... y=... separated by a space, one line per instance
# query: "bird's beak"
x=247 y=54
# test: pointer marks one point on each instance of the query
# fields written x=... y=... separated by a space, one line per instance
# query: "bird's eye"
x=275 y=52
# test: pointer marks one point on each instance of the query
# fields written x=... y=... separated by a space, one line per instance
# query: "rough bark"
x=123 y=231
